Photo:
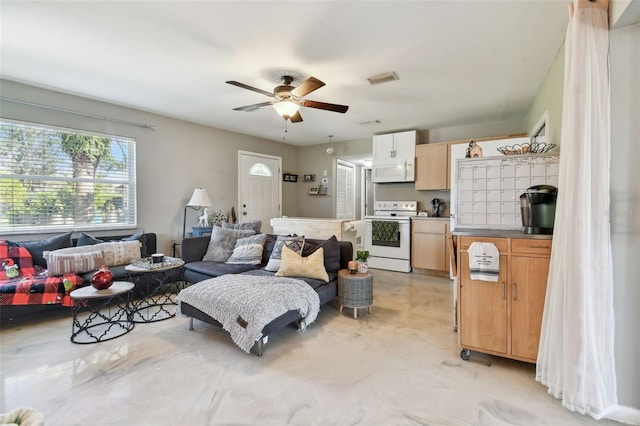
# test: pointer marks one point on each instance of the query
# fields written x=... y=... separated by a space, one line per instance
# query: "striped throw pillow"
x=248 y=250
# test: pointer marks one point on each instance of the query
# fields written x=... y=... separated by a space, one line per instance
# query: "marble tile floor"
x=398 y=366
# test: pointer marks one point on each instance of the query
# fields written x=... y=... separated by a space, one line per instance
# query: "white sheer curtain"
x=576 y=353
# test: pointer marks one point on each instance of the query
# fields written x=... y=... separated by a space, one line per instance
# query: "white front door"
x=259 y=189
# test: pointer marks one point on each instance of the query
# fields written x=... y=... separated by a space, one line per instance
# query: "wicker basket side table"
x=355 y=291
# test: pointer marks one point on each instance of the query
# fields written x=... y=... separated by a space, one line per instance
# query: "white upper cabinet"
x=394 y=157
x=383 y=148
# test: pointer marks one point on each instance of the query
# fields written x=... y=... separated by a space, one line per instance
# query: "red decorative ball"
x=102 y=279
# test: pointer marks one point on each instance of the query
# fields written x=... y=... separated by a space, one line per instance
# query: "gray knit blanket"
x=245 y=304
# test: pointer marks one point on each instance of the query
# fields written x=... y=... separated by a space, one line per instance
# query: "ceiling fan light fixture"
x=286 y=108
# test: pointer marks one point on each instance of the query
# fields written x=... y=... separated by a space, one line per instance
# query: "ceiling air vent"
x=382 y=78
x=370 y=123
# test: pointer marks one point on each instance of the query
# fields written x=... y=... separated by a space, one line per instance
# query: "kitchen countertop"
x=499 y=233
x=429 y=218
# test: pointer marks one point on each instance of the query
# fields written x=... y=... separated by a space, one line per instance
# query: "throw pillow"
x=255 y=225
x=16 y=261
x=331 y=248
x=37 y=248
x=114 y=253
x=248 y=250
x=294 y=243
x=88 y=240
x=222 y=243
x=294 y=265
x=60 y=264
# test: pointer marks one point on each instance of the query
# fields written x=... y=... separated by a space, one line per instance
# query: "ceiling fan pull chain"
x=286 y=128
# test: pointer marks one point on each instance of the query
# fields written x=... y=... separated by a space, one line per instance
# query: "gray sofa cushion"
x=314 y=283
x=248 y=250
x=85 y=239
x=222 y=243
x=255 y=225
x=36 y=248
x=294 y=243
x=331 y=249
x=215 y=269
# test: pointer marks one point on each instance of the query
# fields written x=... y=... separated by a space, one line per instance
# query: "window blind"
x=56 y=179
x=345 y=193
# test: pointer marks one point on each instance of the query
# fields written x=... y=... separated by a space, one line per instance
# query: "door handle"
x=244 y=213
x=515 y=291
x=504 y=290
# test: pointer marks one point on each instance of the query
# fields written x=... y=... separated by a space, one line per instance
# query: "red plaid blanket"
x=23 y=284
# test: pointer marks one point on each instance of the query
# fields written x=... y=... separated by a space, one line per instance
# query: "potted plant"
x=361 y=257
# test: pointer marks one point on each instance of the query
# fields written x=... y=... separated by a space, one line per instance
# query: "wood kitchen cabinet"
x=432 y=166
x=429 y=244
x=504 y=318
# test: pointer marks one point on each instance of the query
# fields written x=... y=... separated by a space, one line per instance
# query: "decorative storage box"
x=201 y=232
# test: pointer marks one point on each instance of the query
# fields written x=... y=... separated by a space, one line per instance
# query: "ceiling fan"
x=288 y=99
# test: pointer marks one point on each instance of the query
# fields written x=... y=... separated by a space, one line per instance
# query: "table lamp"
x=198 y=199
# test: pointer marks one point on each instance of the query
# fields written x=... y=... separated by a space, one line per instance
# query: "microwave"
x=397 y=171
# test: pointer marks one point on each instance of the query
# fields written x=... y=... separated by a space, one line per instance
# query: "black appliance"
x=436 y=204
x=538 y=209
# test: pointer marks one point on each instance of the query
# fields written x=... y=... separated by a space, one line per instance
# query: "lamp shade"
x=199 y=198
x=286 y=108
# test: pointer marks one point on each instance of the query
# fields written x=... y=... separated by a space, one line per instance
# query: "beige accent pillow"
x=294 y=265
x=114 y=253
x=59 y=264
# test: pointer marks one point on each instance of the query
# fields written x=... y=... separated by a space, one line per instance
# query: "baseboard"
x=624 y=414
x=433 y=272
x=399 y=265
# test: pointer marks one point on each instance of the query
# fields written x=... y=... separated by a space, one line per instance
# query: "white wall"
x=504 y=127
x=171 y=161
x=315 y=160
x=625 y=207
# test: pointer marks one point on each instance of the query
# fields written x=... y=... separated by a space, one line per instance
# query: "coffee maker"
x=538 y=209
x=435 y=207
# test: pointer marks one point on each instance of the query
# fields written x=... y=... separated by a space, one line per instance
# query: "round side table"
x=355 y=290
x=158 y=298
x=100 y=315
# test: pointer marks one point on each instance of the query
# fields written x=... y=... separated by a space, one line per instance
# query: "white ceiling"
x=459 y=62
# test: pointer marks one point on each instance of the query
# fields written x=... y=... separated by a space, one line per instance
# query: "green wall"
x=548 y=100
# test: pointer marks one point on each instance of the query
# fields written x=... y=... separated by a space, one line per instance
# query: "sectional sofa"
x=336 y=256
x=33 y=289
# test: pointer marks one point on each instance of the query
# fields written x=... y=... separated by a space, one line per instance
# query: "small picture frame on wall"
x=309 y=178
x=313 y=190
x=287 y=177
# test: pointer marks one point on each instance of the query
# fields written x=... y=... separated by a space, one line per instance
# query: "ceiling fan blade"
x=245 y=86
x=249 y=108
x=307 y=86
x=322 y=105
x=296 y=118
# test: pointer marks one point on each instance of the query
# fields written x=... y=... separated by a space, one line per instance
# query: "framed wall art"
x=287 y=177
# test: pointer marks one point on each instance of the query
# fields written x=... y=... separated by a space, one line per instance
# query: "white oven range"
x=388 y=236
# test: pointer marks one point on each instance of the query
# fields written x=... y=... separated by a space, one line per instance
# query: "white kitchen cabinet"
x=394 y=157
x=387 y=148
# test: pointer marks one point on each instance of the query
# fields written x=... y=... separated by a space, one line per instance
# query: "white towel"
x=484 y=261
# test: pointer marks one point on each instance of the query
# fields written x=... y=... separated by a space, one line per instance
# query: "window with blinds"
x=55 y=179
